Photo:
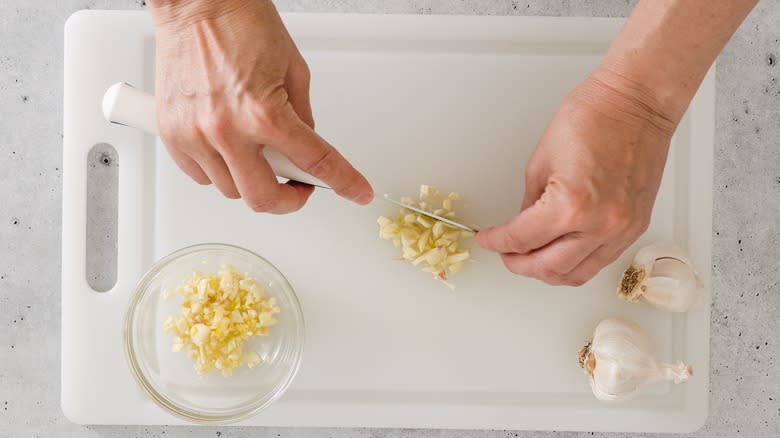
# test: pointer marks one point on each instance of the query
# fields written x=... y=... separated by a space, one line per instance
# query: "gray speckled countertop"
x=745 y=372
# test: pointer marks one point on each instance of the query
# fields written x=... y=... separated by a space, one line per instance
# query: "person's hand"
x=230 y=81
x=590 y=184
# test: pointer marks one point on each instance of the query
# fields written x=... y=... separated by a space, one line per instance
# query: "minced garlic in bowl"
x=214 y=333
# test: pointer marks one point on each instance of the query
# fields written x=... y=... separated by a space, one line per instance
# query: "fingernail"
x=365 y=198
x=479 y=238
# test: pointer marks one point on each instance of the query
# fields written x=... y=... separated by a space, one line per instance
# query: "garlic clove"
x=672 y=286
x=458 y=257
x=438 y=229
x=424 y=221
x=456 y=267
x=663 y=276
x=621 y=359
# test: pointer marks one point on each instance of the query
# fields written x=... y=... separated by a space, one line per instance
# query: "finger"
x=533 y=228
x=304 y=190
x=553 y=262
x=188 y=165
x=315 y=156
x=198 y=149
x=216 y=169
x=257 y=182
x=297 y=85
x=593 y=264
x=213 y=165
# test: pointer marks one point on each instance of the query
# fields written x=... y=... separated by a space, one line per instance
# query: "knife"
x=127 y=105
x=446 y=221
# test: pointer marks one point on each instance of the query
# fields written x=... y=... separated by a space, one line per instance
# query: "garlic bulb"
x=621 y=358
x=662 y=275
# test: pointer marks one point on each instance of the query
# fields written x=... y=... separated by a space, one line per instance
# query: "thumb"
x=500 y=238
x=534 y=227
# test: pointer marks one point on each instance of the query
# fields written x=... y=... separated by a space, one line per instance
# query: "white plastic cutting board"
x=456 y=102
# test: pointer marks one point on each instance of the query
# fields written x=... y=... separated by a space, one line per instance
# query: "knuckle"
x=231 y=194
x=577 y=203
x=532 y=169
x=549 y=274
x=288 y=209
x=511 y=266
x=575 y=281
x=217 y=125
x=201 y=179
x=323 y=164
x=206 y=156
x=512 y=242
x=265 y=205
x=167 y=129
x=268 y=118
x=617 y=218
x=176 y=134
x=571 y=217
x=305 y=71
x=349 y=191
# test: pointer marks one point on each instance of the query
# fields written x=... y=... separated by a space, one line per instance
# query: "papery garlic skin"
x=621 y=358
x=661 y=275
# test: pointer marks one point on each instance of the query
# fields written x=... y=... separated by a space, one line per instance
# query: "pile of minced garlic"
x=424 y=241
x=218 y=314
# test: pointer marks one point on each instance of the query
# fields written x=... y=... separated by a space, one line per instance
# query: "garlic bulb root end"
x=586 y=358
x=630 y=288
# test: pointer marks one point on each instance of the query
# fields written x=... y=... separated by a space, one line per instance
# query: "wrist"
x=624 y=100
x=666 y=94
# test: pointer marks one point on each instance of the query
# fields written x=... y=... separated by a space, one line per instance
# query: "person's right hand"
x=230 y=81
x=590 y=184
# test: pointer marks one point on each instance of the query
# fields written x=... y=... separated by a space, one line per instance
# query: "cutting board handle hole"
x=102 y=216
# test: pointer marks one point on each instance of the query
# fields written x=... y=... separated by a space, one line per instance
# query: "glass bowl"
x=170 y=379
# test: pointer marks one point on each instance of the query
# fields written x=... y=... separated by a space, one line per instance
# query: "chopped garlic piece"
x=432 y=245
x=251 y=359
x=218 y=314
x=438 y=229
x=424 y=221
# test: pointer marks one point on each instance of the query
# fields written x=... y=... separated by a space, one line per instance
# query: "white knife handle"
x=127 y=105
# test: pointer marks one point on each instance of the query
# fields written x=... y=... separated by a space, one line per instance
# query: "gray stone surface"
x=745 y=374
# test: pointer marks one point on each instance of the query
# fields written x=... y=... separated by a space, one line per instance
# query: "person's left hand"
x=590 y=185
